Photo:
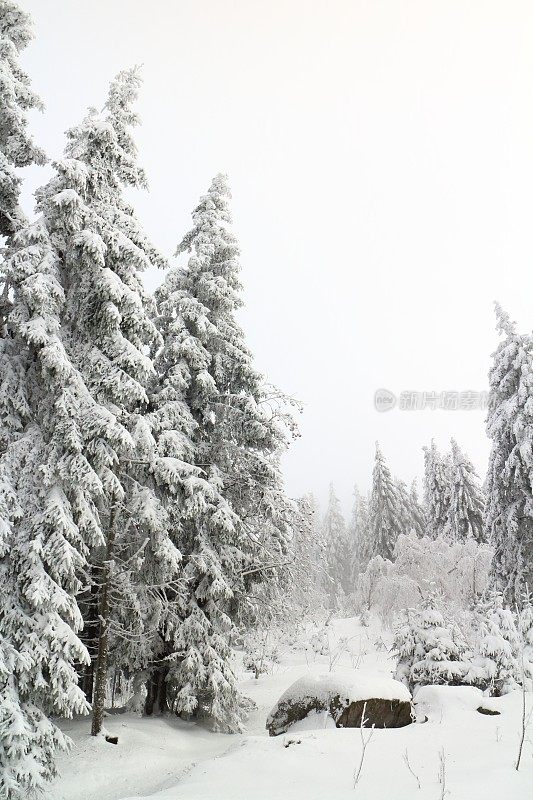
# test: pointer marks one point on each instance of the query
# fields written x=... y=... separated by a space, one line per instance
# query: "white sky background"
x=381 y=159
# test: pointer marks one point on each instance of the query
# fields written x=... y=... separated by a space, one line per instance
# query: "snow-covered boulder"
x=343 y=695
x=445 y=702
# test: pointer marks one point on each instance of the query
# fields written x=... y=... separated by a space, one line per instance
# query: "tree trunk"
x=114 y=688
x=100 y=681
x=156 y=687
x=89 y=609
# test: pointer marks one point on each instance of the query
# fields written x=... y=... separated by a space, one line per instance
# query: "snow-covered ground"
x=167 y=759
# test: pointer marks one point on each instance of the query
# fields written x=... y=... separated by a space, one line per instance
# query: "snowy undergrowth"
x=172 y=760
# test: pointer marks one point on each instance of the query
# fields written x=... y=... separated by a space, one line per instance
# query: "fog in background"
x=381 y=159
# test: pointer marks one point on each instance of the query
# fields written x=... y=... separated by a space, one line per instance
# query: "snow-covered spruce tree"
x=386 y=517
x=46 y=491
x=308 y=543
x=436 y=490
x=338 y=553
x=418 y=513
x=509 y=507
x=193 y=502
x=359 y=536
x=16 y=146
x=240 y=427
x=77 y=320
x=429 y=650
x=47 y=484
x=307 y=554
x=466 y=500
x=496 y=646
x=16 y=150
x=108 y=330
x=412 y=515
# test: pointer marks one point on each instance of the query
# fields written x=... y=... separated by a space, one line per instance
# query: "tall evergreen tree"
x=193 y=504
x=466 y=500
x=104 y=458
x=42 y=549
x=509 y=508
x=239 y=432
x=16 y=98
x=309 y=545
x=359 y=535
x=418 y=511
x=16 y=150
x=307 y=553
x=436 y=490
x=412 y=515
x=337 y=548
x=386 y=519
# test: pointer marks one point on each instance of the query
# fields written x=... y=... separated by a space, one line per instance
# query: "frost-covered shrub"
x=364 y=618
x=318 y=644
x=430 y=650
x=525 y=632
x=496 y=648
x=261 y=651
x=482 y=648
x=457 y=571
x=370 y=583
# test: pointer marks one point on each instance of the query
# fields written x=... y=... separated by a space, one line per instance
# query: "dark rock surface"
x=378 y=713
x=489 y=711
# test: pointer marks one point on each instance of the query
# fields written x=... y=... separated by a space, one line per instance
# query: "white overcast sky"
x=381 y=159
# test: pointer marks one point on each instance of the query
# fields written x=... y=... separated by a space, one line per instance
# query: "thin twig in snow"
x=525 y=718
x=364 y=745
x=442 y=774
x=409 y=767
